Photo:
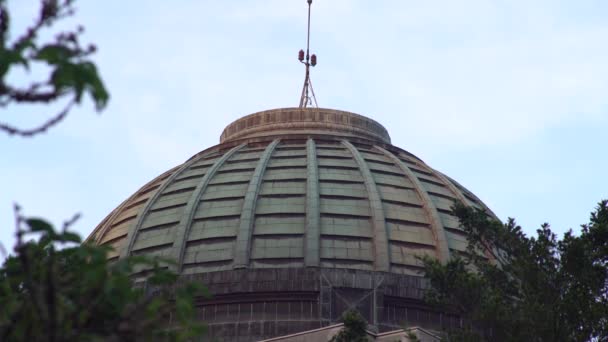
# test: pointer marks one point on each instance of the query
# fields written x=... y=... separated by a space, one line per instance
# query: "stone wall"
x=254 y=304
x=312 y=120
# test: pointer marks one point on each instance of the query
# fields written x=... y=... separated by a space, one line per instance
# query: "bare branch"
x=68 y=223
x=11 y=130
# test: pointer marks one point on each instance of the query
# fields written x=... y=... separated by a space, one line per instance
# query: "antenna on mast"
x=308 y=94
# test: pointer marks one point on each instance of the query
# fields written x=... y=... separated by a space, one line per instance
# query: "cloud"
x=452 y=75
x=467 y=75
x=446 y=79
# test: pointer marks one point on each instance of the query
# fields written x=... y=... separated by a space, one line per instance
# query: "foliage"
x=530 y=288
x=70 y=72
x=54 y=289
x=412 y=337
x=354 y=328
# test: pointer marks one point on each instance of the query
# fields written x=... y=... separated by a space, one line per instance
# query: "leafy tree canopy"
x=354 y=328
x=55 y=289
x=537 y=288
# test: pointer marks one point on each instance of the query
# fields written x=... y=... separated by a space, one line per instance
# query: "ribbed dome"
x=296 y=216
x=293 y=188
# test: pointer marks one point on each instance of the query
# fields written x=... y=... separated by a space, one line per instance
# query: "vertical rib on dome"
x=465 y=200
x=132 y=235
x=313 y=210
x=381 y=247
x=100 y=231
x=242 y=249
x=441 y=245
x=182 y=231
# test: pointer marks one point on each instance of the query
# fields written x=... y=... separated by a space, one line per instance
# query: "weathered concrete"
x=253 y=304
x=313 y=206
x=242 y=250
x=287 y=236
x=182 y=230
x=132 y=234
x=441 y=244
x=381 y=249
x=327 y=333
x=310 y=120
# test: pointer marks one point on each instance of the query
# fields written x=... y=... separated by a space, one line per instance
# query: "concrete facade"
x=327 y=333
x=300 y=214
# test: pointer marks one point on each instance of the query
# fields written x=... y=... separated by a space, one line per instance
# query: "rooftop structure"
x=296 y=216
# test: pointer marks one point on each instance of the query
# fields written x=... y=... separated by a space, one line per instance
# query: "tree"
x=55 y=289
x=71 y=74
x=354 y=328
x=535 y=288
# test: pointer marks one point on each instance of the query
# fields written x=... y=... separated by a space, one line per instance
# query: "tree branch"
x=11 y=130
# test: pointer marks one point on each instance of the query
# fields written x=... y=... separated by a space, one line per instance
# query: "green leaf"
x=162 y=277
x=70 y=237
x=80 y=78
x=54 y=54
x=39 y=225
x=64 y=76
x=89 y=288
x=155 y=306
x=8 y=58
x=94 y=85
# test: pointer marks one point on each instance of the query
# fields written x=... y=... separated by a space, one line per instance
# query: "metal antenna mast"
x=308 y=94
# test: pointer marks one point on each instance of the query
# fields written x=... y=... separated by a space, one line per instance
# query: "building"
x=296 y=216
x=327 y=333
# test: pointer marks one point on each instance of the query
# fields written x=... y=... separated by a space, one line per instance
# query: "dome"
x=296 y=215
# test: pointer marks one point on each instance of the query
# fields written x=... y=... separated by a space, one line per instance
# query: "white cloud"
x=448 y=79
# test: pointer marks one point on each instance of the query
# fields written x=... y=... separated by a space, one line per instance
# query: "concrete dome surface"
x=295 y=216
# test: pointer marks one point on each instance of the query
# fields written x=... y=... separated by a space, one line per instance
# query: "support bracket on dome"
x=308 y=94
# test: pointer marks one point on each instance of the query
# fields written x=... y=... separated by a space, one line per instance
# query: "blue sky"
x=507 y=97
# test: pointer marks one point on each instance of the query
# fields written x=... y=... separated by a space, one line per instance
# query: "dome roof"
x=293 y=188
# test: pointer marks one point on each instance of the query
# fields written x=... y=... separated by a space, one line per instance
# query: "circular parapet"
x=305 y=121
